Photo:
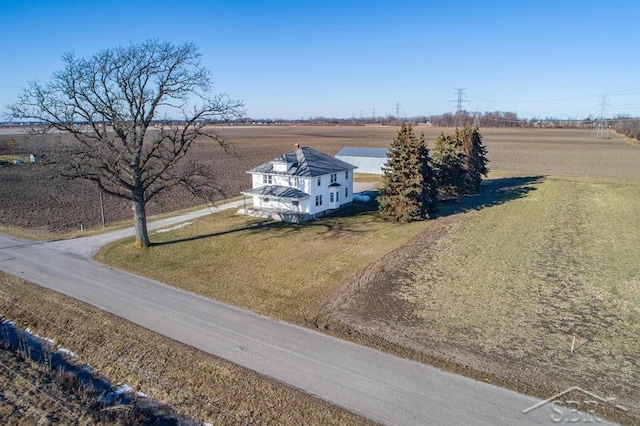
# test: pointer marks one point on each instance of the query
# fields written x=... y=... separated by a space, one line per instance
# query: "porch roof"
x=277 y=191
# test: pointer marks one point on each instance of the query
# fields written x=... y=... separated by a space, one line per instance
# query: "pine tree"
x=460 y=161
x=448 y=165
x=409 y=190
x=475 y=158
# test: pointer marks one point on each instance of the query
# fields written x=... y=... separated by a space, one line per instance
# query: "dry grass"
x=283 y=270
x=194 y=383
x=498 y=292
x=504 y=290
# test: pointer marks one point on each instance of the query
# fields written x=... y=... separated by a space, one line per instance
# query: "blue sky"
x=294 y=59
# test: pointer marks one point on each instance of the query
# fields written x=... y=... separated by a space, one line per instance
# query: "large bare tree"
x=133 y=113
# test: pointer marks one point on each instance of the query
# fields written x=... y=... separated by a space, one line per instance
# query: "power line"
x=600 y=128
x=461 y=99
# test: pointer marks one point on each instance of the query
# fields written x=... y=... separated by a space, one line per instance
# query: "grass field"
x=507 y=289
x=283 y=270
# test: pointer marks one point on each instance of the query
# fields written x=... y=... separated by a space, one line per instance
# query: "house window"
x=319 y=180
x=346 y=192
x=296 y=182
x=346 y=174
x=318 y=200
x=266 y=200
x=295 y=203
x=267 y=179
x=331 y=197
x=334 y=177
x=337 y=196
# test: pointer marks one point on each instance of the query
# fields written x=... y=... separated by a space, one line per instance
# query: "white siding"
x=309 y=186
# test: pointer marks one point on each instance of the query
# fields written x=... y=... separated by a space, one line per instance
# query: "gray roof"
x=306 y=162
x=368 y=160
x=277 y=191
x=349 y=151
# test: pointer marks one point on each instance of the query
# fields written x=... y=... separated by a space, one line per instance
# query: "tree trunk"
x=140 y=220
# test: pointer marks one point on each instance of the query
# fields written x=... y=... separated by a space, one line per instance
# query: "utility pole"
x=476 y=119
x=104 y=222
x=600 y=127
x=460 y=100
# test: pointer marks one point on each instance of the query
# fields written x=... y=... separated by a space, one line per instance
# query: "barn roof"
x=350 y=151
x=305 y=162
x=367 y=160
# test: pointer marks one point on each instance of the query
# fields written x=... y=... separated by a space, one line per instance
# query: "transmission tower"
x=476 y=119
x=460 y=100
x=600 y=127
x=397 y=110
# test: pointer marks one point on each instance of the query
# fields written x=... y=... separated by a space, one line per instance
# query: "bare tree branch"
x=109 y=104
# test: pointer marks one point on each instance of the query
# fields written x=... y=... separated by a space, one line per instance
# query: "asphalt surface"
x=381 y=387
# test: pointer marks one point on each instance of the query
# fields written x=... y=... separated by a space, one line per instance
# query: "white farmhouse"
x=300 y=185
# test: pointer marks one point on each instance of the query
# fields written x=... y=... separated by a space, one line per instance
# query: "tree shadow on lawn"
x=493 y=192
x=329 y=224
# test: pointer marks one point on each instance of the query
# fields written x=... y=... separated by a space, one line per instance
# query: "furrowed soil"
x=42 y=204
x=532 y=284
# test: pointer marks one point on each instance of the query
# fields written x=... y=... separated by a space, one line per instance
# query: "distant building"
x=300 y=185
x=367 y=160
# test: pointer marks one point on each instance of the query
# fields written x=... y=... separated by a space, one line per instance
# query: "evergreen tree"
x=409 y=187
x=474 y=158
x=460 y=161
x=448 y=165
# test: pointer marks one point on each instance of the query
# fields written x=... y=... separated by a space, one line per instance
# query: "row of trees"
x=414 y=181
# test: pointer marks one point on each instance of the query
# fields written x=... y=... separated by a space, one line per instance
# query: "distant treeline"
x=624 y=124
x=629 y=127
x=484 y=119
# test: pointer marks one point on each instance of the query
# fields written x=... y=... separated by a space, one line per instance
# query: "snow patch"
x=67 y=352
x=27 y=330
x=141 y=394
x=123 y=389
x=173 y=228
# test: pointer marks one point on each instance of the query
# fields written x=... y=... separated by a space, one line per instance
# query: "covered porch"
x=276 y=202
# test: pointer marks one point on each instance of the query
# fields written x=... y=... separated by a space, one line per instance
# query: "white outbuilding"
x=367 y=160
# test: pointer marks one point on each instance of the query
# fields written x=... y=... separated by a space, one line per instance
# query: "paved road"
x=378 y=386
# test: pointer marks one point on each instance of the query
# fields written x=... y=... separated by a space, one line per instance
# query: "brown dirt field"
x=365 y=309
x=34 y=199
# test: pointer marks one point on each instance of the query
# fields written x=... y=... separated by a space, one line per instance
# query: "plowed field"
x=33 y=197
